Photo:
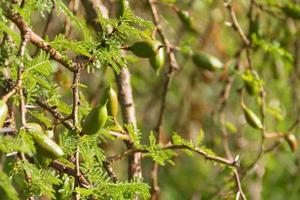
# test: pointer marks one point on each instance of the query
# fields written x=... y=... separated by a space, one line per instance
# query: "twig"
x=76 y=102
x=175 y=147
x=22 y=98
x=70 y=171
x=239 y=185
x=108 y=168
x=236 y=24
x=173 y=66
x=37 y=40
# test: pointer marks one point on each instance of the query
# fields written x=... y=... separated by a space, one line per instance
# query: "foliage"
x=257 y=54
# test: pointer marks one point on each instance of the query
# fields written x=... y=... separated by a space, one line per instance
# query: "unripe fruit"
x=251 y=118
x=43 y=143
x=123 y=5
x=112 y=102
x=185 y=17
x=157 y=62
x=292 y=141
x=3 y=112
x=206 y=61
x=95 y=120
x=145 y=48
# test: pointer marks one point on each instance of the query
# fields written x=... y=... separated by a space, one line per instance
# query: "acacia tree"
x=224 y=69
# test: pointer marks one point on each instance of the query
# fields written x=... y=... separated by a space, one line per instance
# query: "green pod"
x=185 y=18
x=251 y=118
x=157 y=62
x=206 y=61
x=46 y=146
x=145 y=48
x=95 y=120
x=292 y=141
x=292 y=11
x=122 y=6
x=112 y=102
x=3 y=112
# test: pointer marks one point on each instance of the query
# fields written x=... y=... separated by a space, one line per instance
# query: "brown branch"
x=70 y=171
x=173 y=66
x=108 y=168
x=21 y=53
x=176 y=147
x=54 y=112
x=239 y=185
x=75 y=104
x=236 y=24
x=37 y=40
x=128 y=112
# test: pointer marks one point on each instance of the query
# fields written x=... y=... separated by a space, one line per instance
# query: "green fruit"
x=3 y=112
x=292 y=11
x=185 y=17
x=46 y=146
x=145 y=49
x=252 y=118
x=158 y=61
x=112 y=102
x=95 y=120
x=123 y=5
x=292 y=141
x=206 y=61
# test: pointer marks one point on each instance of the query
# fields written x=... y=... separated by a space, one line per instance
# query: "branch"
x=35 y=39
x=128 y=112
x=236 y=24
x=172 y=68
x=70 y=171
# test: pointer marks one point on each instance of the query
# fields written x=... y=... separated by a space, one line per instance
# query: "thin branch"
x=173 y=66
x=239 y=185
x=35 y=39
x=21 y=53
x=70 y=171
x=236 y=24
x=199 y=151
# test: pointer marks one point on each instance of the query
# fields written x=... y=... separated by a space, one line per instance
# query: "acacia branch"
x=70 y=171
x=173 y=66
x=36 y=40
